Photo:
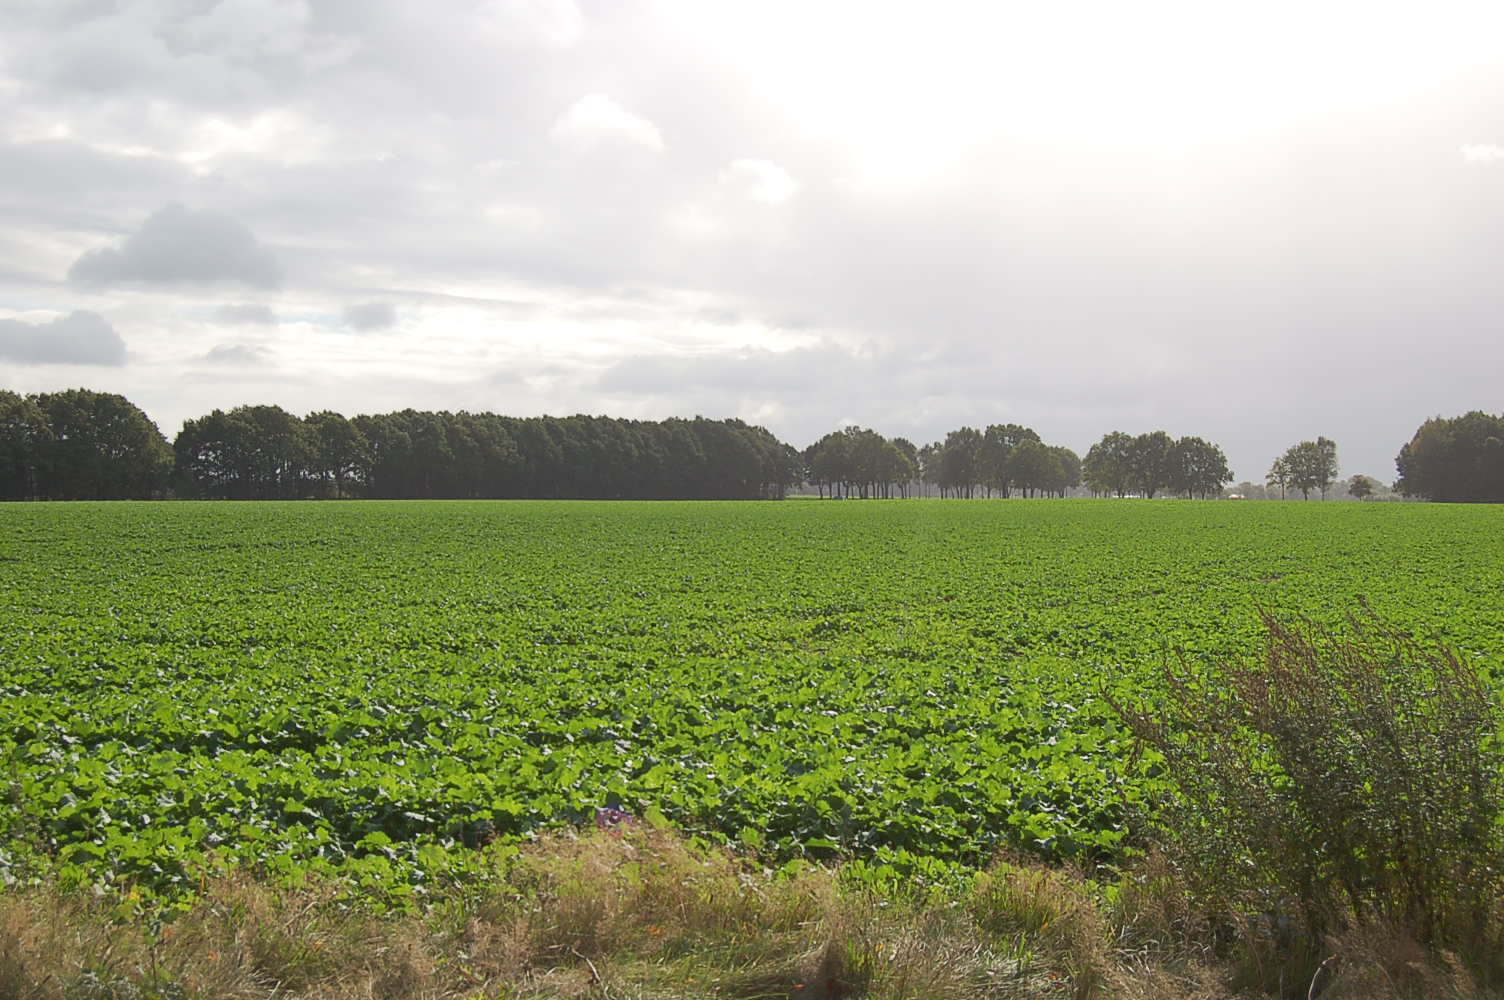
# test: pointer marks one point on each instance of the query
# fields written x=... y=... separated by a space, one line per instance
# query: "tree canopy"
x=79 y=445
x=1152 y=463
x=1307 y=466
x=1460 y=459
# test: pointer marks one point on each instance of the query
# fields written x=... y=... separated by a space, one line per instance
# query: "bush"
x=1344 y=778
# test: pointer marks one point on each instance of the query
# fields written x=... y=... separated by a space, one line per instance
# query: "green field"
x=370 y=688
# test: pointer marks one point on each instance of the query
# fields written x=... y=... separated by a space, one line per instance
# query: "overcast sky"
x=1254 y=222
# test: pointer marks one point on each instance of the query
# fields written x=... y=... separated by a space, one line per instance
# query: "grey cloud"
x=246 y=314
x=51 y=177
x=178 y=245
x=230 y=54
x=366 y=316
x=80 y=338
x=236 y=354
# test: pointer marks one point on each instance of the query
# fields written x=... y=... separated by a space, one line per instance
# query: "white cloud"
x=1483 y=153
x=694 y=221
x=80 y=338
x=761 y=181
x=596 y=120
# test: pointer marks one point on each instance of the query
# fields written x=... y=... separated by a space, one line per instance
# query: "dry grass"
x=647 y=915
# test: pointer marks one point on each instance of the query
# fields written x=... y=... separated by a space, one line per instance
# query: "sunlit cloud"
x=760 y=181
x=1483 y=154
x=596 y=121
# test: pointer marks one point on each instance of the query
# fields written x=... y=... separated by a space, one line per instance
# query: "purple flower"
x=612 y=819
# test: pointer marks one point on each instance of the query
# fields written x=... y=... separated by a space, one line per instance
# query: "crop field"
x=372 y=689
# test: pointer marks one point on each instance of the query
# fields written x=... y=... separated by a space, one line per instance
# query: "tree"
x=1197 y=468
x=1032 y=466
x=911 y=463
x=102 y=447
x=208 y=457
x=339 y=457
x=279 y=451
x=995 y=455
x=831 y=464
x=1149 y=463
x=929 y=465
x=1362 y=487
x=959 y=462
x=1067 y=471
x=1107 y=467
x=1279 y=475
x=1455 y=460
x=1311 y=465
x=248 y=453
x=25 y=436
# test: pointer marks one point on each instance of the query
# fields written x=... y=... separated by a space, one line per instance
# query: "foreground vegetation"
x=347 y=749
x=647 y=914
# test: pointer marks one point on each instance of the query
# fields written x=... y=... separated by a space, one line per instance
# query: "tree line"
x=1002 y=460
x=82 y=445
x=78 y=444
x=1459 y=459
x=1153 y=463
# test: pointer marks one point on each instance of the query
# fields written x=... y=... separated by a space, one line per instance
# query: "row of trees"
x=254 y=452
x=855 y=461
x=1002 y=460
x=79 y=444
x=1153 y=463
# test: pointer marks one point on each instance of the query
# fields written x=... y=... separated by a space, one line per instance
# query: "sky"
x=1253 y=222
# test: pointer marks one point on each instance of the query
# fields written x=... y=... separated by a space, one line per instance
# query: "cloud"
x=759 y=180
x=246 y=314
x=80 y=338
x=245 y=29
x=596 y=121
x=366 y=316
x=745 y=370
x=236 y=354
x=550 y=24
x=178 y=245
x=1484 y=154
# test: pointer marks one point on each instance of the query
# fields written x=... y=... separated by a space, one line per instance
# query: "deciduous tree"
x=1456 y=459
x=1311 y=465
x=1107 y=467
x=102 y=447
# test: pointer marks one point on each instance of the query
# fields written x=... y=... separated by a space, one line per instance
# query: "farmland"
x=370 y=689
